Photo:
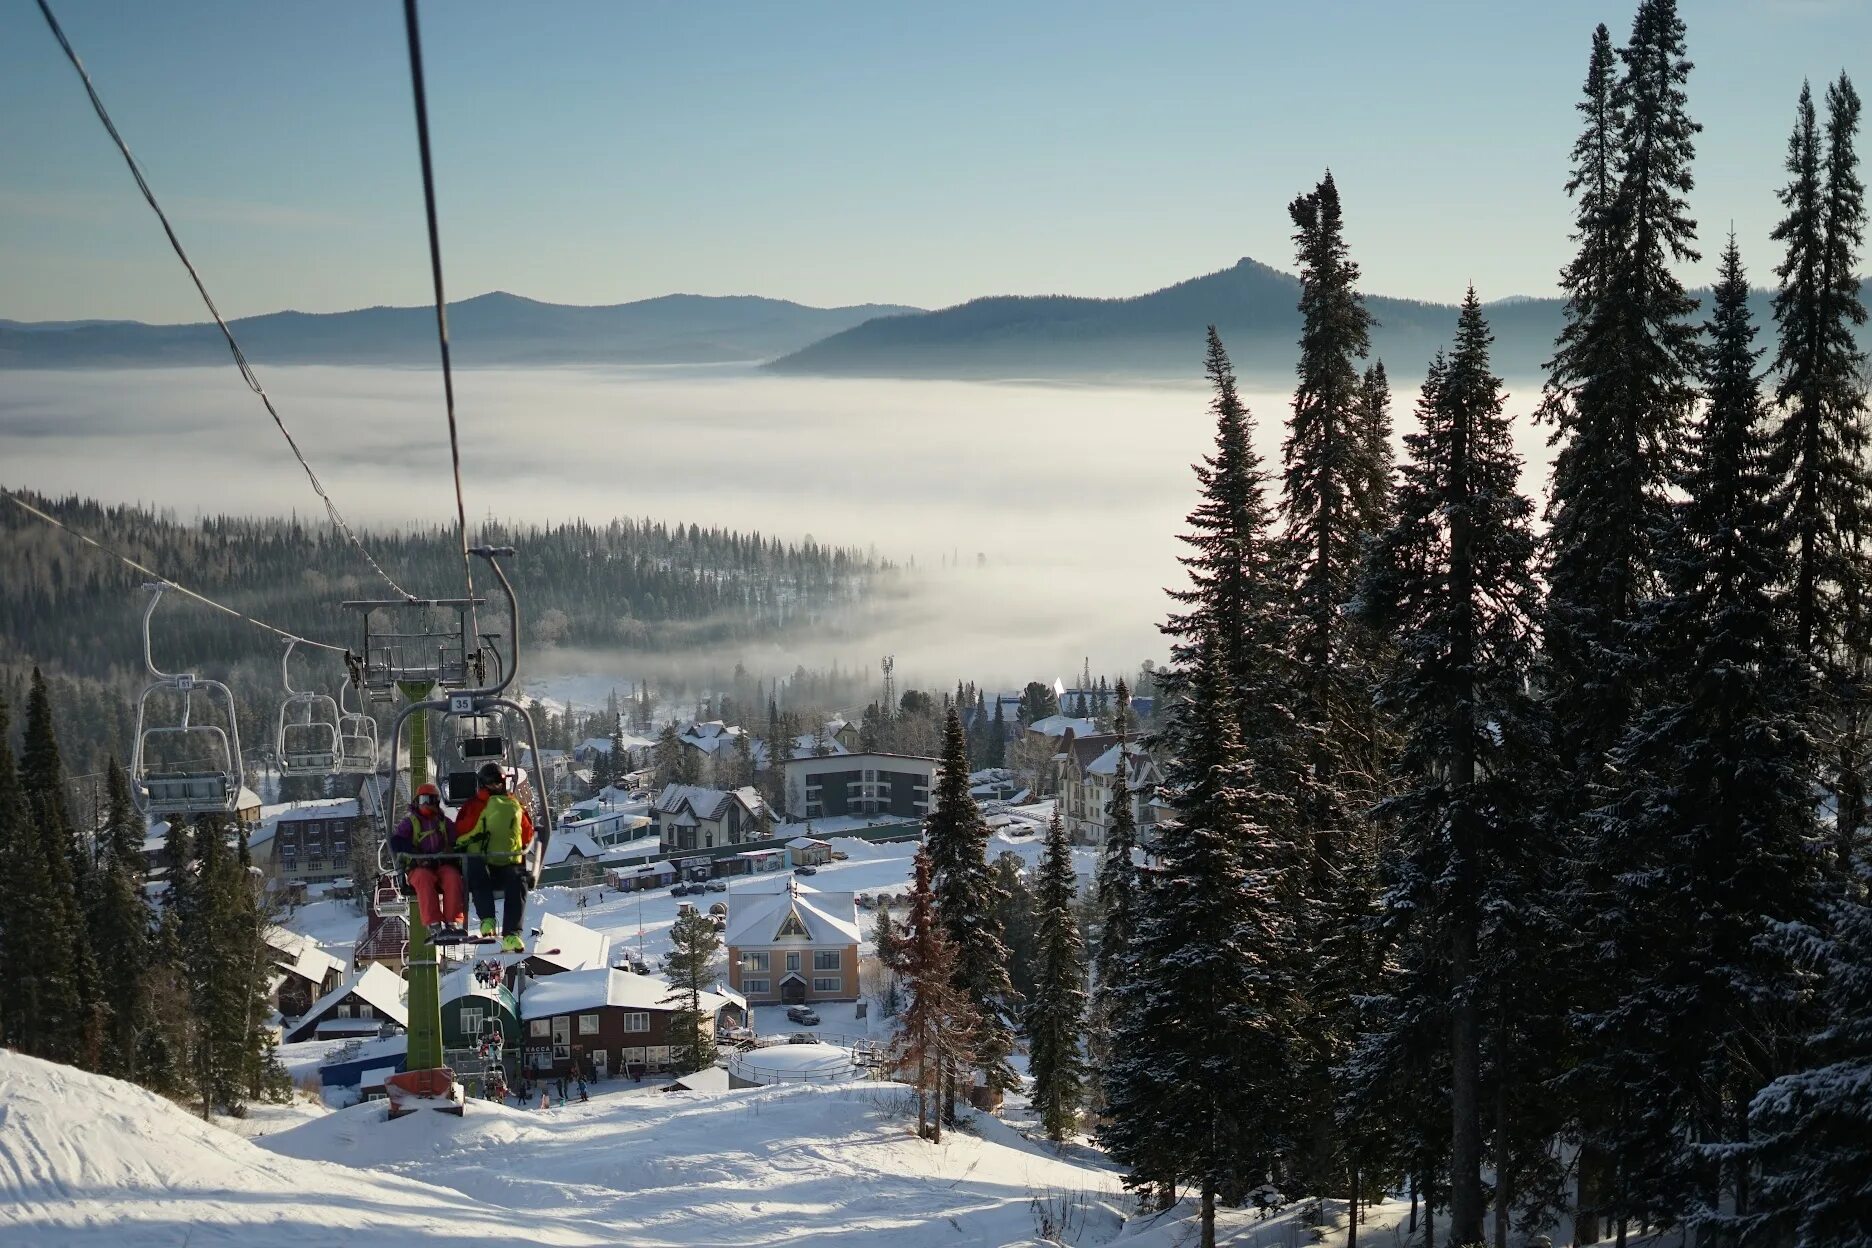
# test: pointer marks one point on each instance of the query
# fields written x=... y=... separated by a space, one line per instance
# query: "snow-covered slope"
x=786 y=1165
x=91 y=1161
x=86 y=1160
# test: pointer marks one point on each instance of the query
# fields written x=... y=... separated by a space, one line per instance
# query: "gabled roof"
x=702 y=802
x=601 y=987
x=565 y=841
x=376 y=984
x=301 y=955
x=580 y=948
x=461 y=982
x=755 y=919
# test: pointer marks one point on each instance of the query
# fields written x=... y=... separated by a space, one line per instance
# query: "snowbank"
x=86 y=1160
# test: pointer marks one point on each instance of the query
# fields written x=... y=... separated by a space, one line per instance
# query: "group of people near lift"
x=490 y=833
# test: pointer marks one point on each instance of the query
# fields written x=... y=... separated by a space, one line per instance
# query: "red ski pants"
x=440 y=894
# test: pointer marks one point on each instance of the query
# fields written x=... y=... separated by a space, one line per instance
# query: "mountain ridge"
x=489 y=329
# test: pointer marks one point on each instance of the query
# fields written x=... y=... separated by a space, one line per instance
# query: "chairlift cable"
x=240 y=358
x=441 y=303
x=184 y=590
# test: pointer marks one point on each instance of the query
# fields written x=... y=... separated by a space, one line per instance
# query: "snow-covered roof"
x=711 y=736
x=754 y=919
x=583 y=991
x=565 y=841
x=301 y=955
x=708 y=1079
x=376 y=984
x=461 y=982
x=1058 y=725
x=702 y=802
x=580 y=948
x=807 y=842
x=803 y=745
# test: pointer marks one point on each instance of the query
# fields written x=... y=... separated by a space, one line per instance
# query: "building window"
x=588 y=1024
x=541 y=1028
x=792 y=926
x=792 y=961
x=757 y=987
x=633 y=1021
x=826 y=960
x=471 y=1020
x=827 y=984
x=756 y=961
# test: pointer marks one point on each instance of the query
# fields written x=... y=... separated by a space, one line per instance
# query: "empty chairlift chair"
x=357 y=739
x=307 y=742
x=188 y=767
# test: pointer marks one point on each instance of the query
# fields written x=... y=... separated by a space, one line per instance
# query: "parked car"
x=839 y=855
x=804 y=869
x=679 y=889
x=803 y=1015
x=802 y=1037
x=864 y=901
x=736 y=1034
x=716 y=886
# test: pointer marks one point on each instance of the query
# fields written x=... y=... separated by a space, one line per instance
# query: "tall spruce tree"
x=968 y=903
x=935 y=1040
x=1331 y=505
x=1371 y=503
x=38 y=992
x=1115 y=894
x=1201 y=1069
x=1452 y=585
x=1620 y=389
x=1055 y=1017
x=70 y=1005
x=120 y=928
x=1820 y=445
x=694 y=944
x=1711 y=819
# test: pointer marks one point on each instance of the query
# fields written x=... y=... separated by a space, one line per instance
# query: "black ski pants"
x=484 y=878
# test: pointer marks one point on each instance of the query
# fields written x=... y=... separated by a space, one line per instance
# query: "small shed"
x=643 y=876
x=806 y=851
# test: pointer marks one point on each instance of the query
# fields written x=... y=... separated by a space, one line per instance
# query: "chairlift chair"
x=357 y=738
x=201 y=772
x=424 y=654
x=307 y=742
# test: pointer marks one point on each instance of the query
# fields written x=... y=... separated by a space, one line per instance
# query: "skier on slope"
x=438 y=885
x=496 y=829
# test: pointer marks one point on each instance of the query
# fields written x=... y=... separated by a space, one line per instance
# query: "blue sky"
x=840 y=153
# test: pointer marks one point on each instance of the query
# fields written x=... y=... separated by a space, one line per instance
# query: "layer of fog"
x=1042 y=519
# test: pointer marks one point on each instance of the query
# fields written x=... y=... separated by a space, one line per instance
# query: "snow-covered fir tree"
x=935 y=1042
x=969 y=905
x=694 y=944
x=1055 y=1015
x=1821 y=442
x=72 y=1008
x=1201 y=1073
x=1452 y=586
x=1621 y=387
x=1332 y=504
x=1711 y=821
x=1813 y=1128
x=120 y=927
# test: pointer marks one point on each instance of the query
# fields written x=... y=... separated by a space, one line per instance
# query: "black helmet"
x=491 y=776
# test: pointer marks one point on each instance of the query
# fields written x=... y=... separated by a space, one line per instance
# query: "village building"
x=689 y=816
x=364 y=1005
x=792 y=945
x=711 y=748
x=870 y=785
x=310 y=842
x=247 y=815
x=644 y=875
x=1088 y=771
x=303 y=972
x=562 y=945
x=607 y=1022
